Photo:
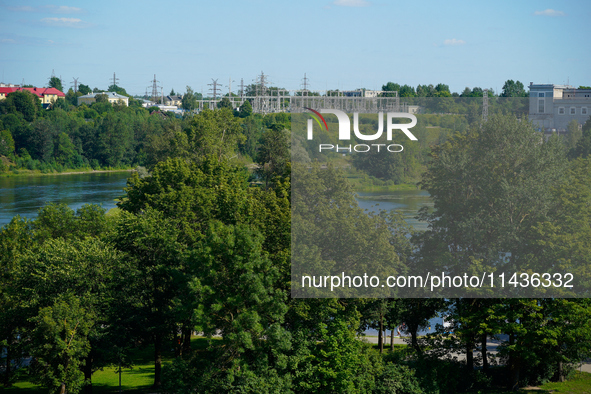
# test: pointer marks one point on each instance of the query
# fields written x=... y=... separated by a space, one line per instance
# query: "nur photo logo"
x=345 y=130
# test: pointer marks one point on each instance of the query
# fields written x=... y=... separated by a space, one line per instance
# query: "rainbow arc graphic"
x=316 y=115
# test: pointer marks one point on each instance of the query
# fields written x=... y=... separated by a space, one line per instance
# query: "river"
x=25 y=195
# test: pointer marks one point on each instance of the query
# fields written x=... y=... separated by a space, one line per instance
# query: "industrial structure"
x=553 y=107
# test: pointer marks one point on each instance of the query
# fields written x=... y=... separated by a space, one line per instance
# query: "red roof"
x=37 y=91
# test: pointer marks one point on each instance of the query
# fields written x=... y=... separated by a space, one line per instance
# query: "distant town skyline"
x=340 y=44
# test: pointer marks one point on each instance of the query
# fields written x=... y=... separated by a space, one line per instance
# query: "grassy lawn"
x=138 y=379
x=580 y=383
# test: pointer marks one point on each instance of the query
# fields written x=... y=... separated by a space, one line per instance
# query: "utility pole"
x=115 y=79
x=241 y=87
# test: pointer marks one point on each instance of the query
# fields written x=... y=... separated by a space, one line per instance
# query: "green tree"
x=225 y=103
x=16 y=238
x=245 y=109
x=273 y=155
x=81 y=268
x=216 y=133
x=583 y=147
x=59 y=343
x=118 y=90
x=65 y=151
x=442 y=90
x=24 y=102
x=189 y=102
x=513 y=89
x=490 y=187
x=55 y=82
x=172 y=142
x=84 y=89
x=573 y=134
x=101 y=98
x=6 y=143
x=153 y=278
x=390 y=87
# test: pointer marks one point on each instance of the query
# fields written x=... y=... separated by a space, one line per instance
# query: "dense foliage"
x=203 y=244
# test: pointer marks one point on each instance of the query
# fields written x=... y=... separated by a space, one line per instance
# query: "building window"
x=561 y=111
x=584 y=111
x=541 y=106
x=540 y=94
x=573 y=111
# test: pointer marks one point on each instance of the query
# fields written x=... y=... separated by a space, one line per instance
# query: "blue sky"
x=339 y=44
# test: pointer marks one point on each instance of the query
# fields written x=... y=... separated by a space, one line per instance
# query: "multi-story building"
x=112 y=97
x=46 y=95
x=552 y=107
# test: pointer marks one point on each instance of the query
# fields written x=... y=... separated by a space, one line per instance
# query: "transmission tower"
x=154 y=89
x=115 y=79
x=230 y=87
x=261 y=84
x=214 y=87
x=75 y=83
x=241 y=87
x=305 y=85
x=485 y=105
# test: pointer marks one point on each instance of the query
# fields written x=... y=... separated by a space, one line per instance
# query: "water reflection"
x=25 y=195
x=407 y=201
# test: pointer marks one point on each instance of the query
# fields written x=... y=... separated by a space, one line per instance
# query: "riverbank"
x=25 y=172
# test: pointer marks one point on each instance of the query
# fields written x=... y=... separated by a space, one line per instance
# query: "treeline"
x=510 y=89
x=105 y=135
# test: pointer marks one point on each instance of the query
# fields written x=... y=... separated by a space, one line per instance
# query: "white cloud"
x=25 y=8
x=63 y=9
x=64 y=22
x=351 y=3
x=550 y=12
x=8 y=40
x=54 y=9
x=453 y=41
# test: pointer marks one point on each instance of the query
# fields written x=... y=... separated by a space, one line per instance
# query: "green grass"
x=138 y=379
x=580 y=383
x=24 y=172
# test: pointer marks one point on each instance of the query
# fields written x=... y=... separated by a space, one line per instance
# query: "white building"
x=112 y=97
x=552 y=107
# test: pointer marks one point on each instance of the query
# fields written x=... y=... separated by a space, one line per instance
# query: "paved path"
x=491 y=347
